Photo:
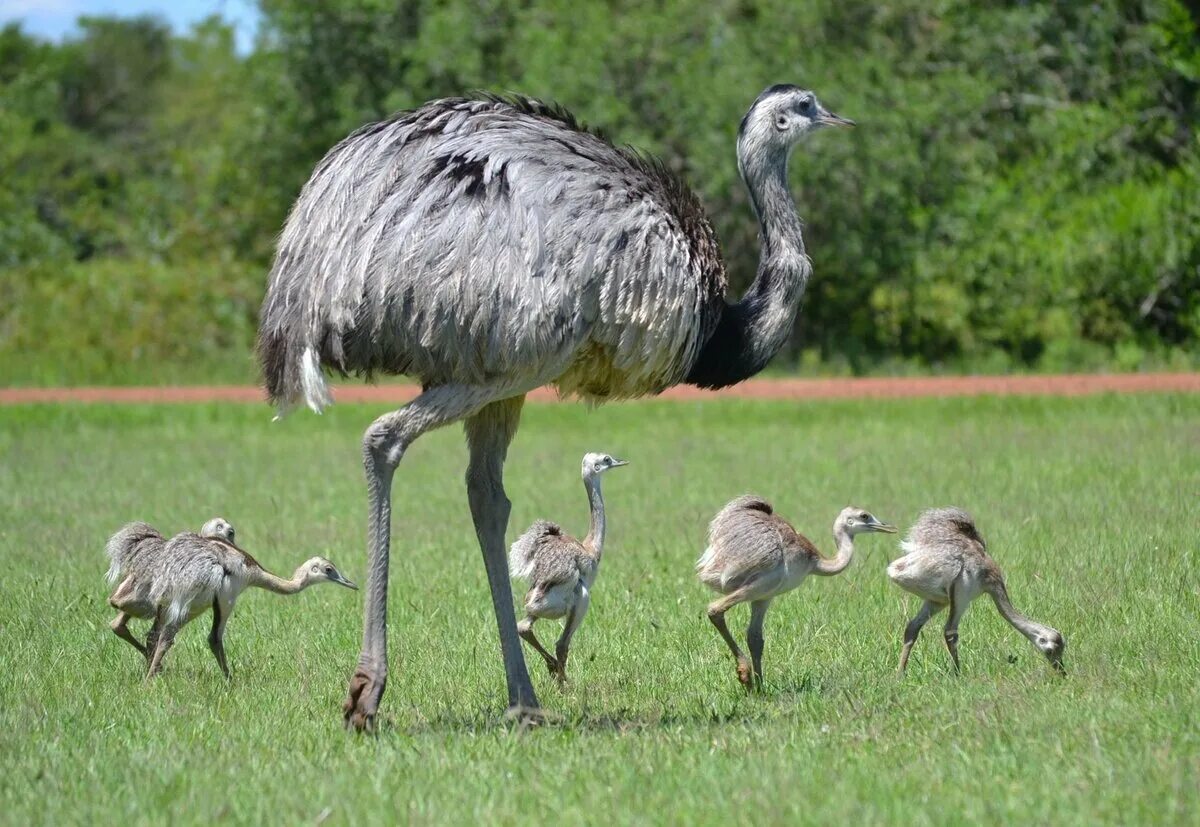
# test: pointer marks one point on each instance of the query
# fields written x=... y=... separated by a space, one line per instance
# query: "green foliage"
x=1020 y=192
x=654 y=728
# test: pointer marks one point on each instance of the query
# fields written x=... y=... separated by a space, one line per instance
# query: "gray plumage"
x=754 y=555
x=561 y=569
x=174 y=581
x=486 y=247
x=946 y=564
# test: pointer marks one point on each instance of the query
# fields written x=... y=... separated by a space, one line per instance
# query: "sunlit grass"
x=1090 y=506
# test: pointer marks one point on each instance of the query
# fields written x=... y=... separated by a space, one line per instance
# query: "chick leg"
x=716 y=614
x=120 y=627
x=754 y=637
x=574 y=619
x=525 y=630
x=913 y=630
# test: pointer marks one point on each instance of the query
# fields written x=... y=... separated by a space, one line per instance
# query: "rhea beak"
x=617 y=463
x=336 y=577
x=1057 y=663
x=827 y=118
x=883 y=528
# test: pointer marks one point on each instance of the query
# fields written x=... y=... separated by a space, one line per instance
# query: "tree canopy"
x=1021 y=192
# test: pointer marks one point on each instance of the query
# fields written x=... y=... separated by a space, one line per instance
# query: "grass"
x=1090 y=505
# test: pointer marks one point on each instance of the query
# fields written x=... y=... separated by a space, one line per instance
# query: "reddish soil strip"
x=882 y=387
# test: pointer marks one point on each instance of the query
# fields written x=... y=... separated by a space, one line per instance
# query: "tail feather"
x=132 y=544
x=291 y=375
x=523 y=554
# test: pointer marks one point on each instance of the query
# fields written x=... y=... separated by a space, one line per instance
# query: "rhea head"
x=854 y=520
x=218 y=528
x=779 y=118
x=596 y=464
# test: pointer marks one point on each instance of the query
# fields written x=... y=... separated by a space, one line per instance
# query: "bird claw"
x=745 y=675
x=362 y=701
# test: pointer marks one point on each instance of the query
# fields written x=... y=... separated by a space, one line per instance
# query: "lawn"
x=1089 y=505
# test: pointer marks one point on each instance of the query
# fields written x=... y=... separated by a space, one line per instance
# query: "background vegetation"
x=1021 y=192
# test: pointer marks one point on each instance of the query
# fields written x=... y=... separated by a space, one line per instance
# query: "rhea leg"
x=754 y=637
x=489 y=433
x=525 y=630
x=716 y=614
x=913 y=630
x=563 y=648
x=216 y=636
x=120 y=626
x=384 y=444
x=163 y=643
x=958 y=606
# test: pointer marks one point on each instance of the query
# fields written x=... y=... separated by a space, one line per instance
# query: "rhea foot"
x=745 y=674
x=362 y=700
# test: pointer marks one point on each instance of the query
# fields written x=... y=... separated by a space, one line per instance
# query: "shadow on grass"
x=747 y=709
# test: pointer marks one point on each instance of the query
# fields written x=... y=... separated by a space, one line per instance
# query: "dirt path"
x=882 y=387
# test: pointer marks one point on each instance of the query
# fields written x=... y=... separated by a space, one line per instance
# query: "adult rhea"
x=490 y=246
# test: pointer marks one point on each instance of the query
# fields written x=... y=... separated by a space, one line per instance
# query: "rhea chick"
x=946 y=564
x=561 y=569
x=753 y=555
x=175 y=581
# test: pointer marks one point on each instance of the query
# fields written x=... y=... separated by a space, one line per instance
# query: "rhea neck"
x=264 y=579
x=1028 y=627
x=752 y=331
x=845 y=553
x=594 y=541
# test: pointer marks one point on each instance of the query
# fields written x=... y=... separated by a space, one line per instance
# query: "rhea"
x=946 y=564
x=175 y=581
x=489 y=246
x=754 y=555
x=561 y=569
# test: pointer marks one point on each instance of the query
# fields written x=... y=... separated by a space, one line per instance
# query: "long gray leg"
x=120 y=626
x=489 y=433
x=754 y=637
x=384 y=445
x=913 y=629
x=216 y=636
x=563 y=648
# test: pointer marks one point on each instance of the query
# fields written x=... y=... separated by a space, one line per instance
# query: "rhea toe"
x=175 y=581
x=754 y=555
x=946 y=564
x=561 y=569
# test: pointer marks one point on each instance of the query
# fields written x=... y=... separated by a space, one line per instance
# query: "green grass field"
x=1090 y=506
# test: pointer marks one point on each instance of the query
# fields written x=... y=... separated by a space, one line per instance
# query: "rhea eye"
x=608 y=459
x=329 y=569
x=864 y=516
x=806 y=104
